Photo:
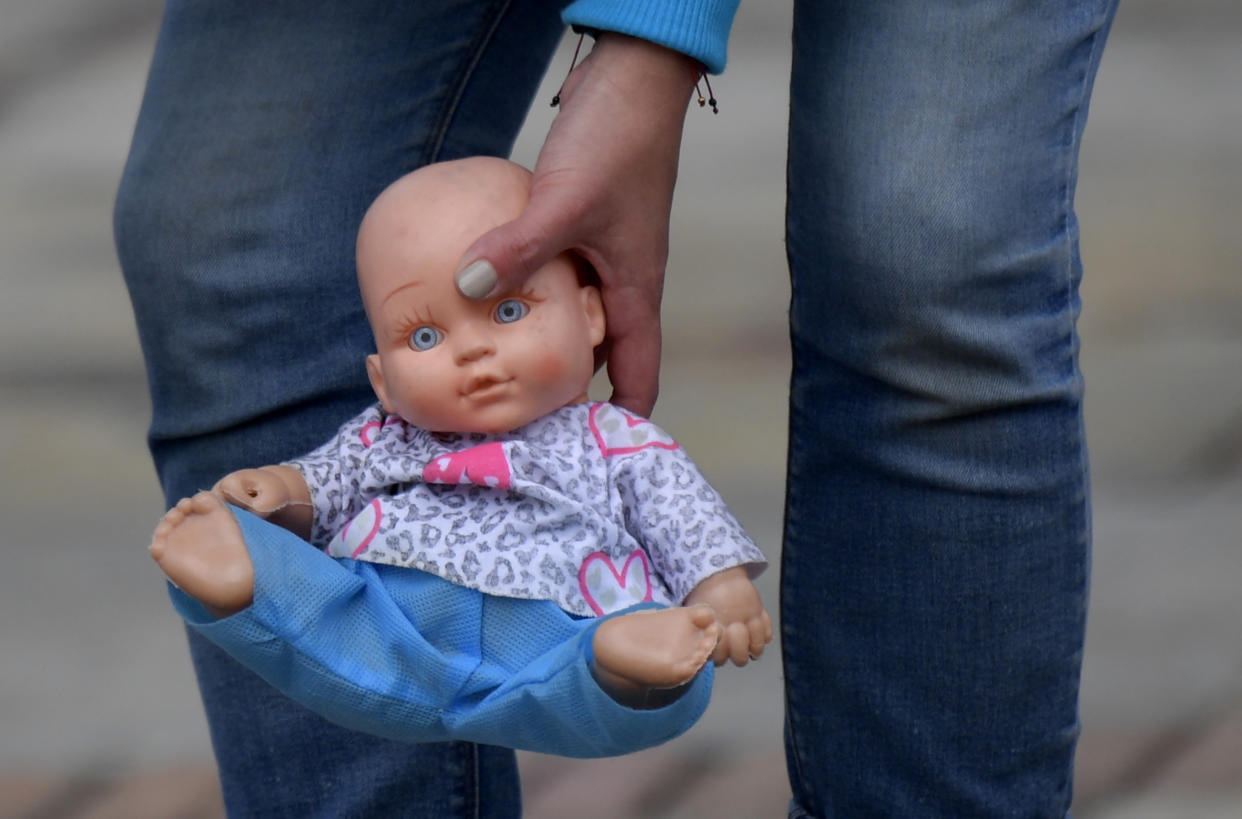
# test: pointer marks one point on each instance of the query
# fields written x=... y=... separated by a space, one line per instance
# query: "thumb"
x=506 y=256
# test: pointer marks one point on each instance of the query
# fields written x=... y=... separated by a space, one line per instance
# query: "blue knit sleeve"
x=697 y=28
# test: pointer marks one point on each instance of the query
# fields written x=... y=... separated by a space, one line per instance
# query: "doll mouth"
x=484 y=386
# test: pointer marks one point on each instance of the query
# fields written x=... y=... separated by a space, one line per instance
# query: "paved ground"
x=98 y=706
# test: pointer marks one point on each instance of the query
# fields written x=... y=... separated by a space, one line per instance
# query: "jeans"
x=936 y=552
x=265 y=131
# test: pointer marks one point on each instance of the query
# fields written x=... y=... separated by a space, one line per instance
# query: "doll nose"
x=472 y=343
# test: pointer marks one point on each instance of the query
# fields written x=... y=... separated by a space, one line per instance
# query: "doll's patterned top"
x=590 y=507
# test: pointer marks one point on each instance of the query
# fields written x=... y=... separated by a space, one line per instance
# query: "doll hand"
x=745 y=625
x=275 y=493
x=259 y=491
x=603 y=188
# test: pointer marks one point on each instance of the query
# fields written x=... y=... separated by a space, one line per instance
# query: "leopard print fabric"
x=590 y=507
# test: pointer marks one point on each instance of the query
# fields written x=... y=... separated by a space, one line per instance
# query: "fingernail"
x=477 y=279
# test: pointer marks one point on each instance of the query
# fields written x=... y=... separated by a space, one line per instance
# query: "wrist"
x=642 y=70
x=296 y=488
x=659 y=62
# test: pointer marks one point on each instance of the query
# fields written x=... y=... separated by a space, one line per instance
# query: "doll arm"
x=683 y=523
x=278 y=494
x=688 y=529
x=745 y=625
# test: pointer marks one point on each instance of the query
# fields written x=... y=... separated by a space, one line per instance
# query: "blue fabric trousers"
x=404 y=654
x=935 y=563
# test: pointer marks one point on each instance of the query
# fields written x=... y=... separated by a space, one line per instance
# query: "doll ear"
x=375 y=372
x=593 y=306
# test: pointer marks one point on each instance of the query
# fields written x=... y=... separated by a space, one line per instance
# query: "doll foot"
x=639 y=655
x=200 y=547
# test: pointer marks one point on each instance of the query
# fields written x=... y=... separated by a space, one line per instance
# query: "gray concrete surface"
x=97 y=700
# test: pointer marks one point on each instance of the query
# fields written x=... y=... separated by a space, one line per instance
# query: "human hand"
x=603 y=188
x=745 y=627
x=275 y=493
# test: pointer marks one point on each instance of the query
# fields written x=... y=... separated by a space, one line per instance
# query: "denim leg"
x=935 y=565
x=265 y=131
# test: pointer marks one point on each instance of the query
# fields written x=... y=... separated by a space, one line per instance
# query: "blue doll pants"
x=406 y=655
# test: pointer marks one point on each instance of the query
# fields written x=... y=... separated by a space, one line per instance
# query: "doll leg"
x=199 y=547
x=544 y=692
x=265 y=131
x=405 y=655
x=935 y=562
x=659 y=649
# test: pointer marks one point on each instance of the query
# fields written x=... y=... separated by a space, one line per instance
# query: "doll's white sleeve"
x=681 y=520
x=336 y=475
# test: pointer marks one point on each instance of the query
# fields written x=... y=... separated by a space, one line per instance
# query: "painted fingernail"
x=477 y=279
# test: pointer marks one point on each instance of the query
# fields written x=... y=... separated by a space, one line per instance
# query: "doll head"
x=447 y=363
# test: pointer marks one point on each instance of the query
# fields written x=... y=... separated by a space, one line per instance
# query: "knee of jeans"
x=948 y=359
x=939 y=300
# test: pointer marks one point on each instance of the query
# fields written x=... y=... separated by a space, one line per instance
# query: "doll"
x=507 y=562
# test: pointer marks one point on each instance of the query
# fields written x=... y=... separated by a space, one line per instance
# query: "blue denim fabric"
x=936 y=558
x=265 y=131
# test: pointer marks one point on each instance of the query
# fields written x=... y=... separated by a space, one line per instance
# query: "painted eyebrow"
x=528 y=291
x=405 y=286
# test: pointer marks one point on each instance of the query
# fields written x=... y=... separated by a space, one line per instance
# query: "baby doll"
x=508 y=563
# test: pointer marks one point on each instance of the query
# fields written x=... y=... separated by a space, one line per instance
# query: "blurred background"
x=98 y=708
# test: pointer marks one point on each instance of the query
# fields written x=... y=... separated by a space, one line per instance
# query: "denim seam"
x=451 y=103
x=794 y=754
x=1086 y=80
x=1099 y=38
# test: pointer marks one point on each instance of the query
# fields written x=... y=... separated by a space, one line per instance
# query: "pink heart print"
x=367 y=434
x=619 y=433
x=607 y=590
x=484 y=465
x=359 y=532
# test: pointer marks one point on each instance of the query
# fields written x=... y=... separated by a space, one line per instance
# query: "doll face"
x=446 y=363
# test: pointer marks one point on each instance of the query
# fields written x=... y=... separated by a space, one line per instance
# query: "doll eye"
x=424 y=338
x=510 y=310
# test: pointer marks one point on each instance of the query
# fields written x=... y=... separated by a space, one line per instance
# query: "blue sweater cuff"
x=696 y=28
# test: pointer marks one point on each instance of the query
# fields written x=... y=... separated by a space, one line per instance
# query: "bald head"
x=422 y=223
x=532 y=350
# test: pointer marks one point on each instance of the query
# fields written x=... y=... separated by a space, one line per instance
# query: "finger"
x=233 y=486
x=739 y=644
x=506 y=256
x=759 y=635
x=226 y=488
x=245 y=488
x=720 y=655
x=634 y=368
